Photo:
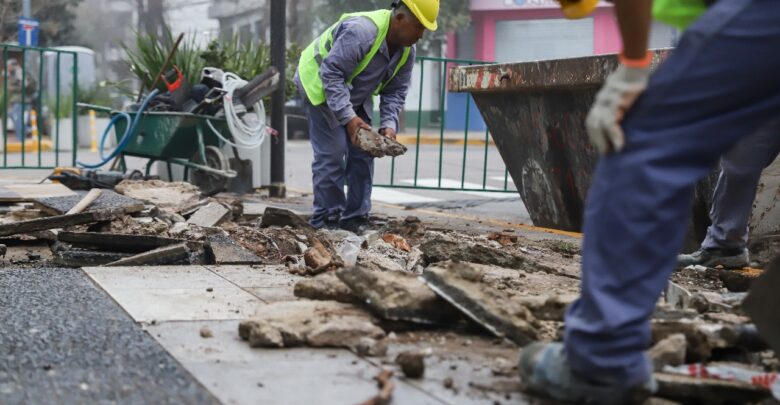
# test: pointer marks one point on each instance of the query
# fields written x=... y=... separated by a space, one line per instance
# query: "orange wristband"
x=636 y=63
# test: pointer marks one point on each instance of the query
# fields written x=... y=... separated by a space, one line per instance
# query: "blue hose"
x=129 y=132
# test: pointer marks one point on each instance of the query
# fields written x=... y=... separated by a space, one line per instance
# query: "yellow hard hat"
x=426 y=11
x=574 y=9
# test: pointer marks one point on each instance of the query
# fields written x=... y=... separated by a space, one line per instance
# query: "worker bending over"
x=362 y=55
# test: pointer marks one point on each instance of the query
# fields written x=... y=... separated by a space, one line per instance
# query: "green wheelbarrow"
x=178 y=138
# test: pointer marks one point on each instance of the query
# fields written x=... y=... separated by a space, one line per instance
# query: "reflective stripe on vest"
x=317 y=51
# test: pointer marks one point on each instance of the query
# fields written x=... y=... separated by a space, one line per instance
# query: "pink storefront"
x=526 y=30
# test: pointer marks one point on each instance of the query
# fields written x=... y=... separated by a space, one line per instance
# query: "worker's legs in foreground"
x=331 y=147
x=732 y=201
x=719 y=85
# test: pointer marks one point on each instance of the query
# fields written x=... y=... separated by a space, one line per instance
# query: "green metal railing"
x=445 y=178
x=33 y=61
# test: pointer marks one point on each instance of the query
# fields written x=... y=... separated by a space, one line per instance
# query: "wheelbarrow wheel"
x=210 y=183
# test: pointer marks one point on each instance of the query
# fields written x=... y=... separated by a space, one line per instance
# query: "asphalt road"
x=63 y=341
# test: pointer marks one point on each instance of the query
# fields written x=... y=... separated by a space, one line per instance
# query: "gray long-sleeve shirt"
x=352 y=40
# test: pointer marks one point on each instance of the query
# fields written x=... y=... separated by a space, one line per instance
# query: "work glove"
x=620 y=90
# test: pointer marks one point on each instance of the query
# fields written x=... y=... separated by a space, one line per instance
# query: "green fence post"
x=74 y=114
x=57 y=114
x=442 y=116
x=5 y=106
x=24 y=96
x=419 y=120
x=465 y=143
x=40 y=120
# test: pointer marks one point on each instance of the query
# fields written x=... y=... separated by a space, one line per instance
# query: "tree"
x=454 y=15
x=56 y=16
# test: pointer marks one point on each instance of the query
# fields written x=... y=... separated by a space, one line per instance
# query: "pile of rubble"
x=362 y=292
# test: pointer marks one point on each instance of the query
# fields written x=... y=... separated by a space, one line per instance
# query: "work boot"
x=545 y=370
x=728 y=258
x=356 y=225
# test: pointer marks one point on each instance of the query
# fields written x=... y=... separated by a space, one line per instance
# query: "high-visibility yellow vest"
x=315 y=53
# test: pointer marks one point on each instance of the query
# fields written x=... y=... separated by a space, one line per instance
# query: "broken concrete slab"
x=210 y=215
x=707 y=390
x=222 y=250
x=107 y=200
x=179 y=253
x=668 y=352
x=116 y=242
x=281 y=218
x=377 y=145
x=398 y=296
x=325 y=287
x=547 y=308
x=440 y=248
x=739 y=280
x=461 y=285
x=314 y=323
x=86 y=258
x=3 y=250
x=704 y=337
x=28 y=192
x=165 y=195
x=253 y=210
x=58 y=222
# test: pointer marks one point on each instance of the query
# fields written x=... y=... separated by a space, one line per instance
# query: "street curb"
x=435 y=140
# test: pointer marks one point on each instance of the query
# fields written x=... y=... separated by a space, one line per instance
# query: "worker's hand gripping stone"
x=353 y=126
x=620 y=91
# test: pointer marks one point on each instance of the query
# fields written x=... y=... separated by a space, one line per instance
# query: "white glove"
x=620 y=91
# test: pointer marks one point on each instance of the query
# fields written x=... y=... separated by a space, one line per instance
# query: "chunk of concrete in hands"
x=282 y=217
x=461 y=285
x=398 y=296
x=313 y=323
x=668 y=352
x=378 y=145
x=325 y=287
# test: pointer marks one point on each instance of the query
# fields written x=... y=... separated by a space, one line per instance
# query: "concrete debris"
x=441 y=248
x=377 y=145
x=707 y=391
x=252 y=210
x=412 y=363
x=3 y=250
x=503 y=238
x=461 y=285
x=59 y=222
x=677 y=296
x=739 y=280
x=318 y=259
x=186 y=253
x=134 y=226
x=281 y=218
x=703 y=338
x=107 y=200
x=313 y=323
x=386 y=386
x=368 y=347
x=397 y=242
x=325 y=287
x=116 y=242
x=210 y=215
x=668 y=352
x=222 y=250
x=547 y=308
x=397 y=296
x=86 y=258
x=206 y=333
x=165 y=195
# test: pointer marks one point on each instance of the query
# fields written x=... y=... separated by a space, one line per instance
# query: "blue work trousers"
x=720 y=85
x=732 y=201
x=337 y=162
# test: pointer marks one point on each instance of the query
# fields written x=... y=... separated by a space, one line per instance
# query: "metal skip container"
x=536 y=113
